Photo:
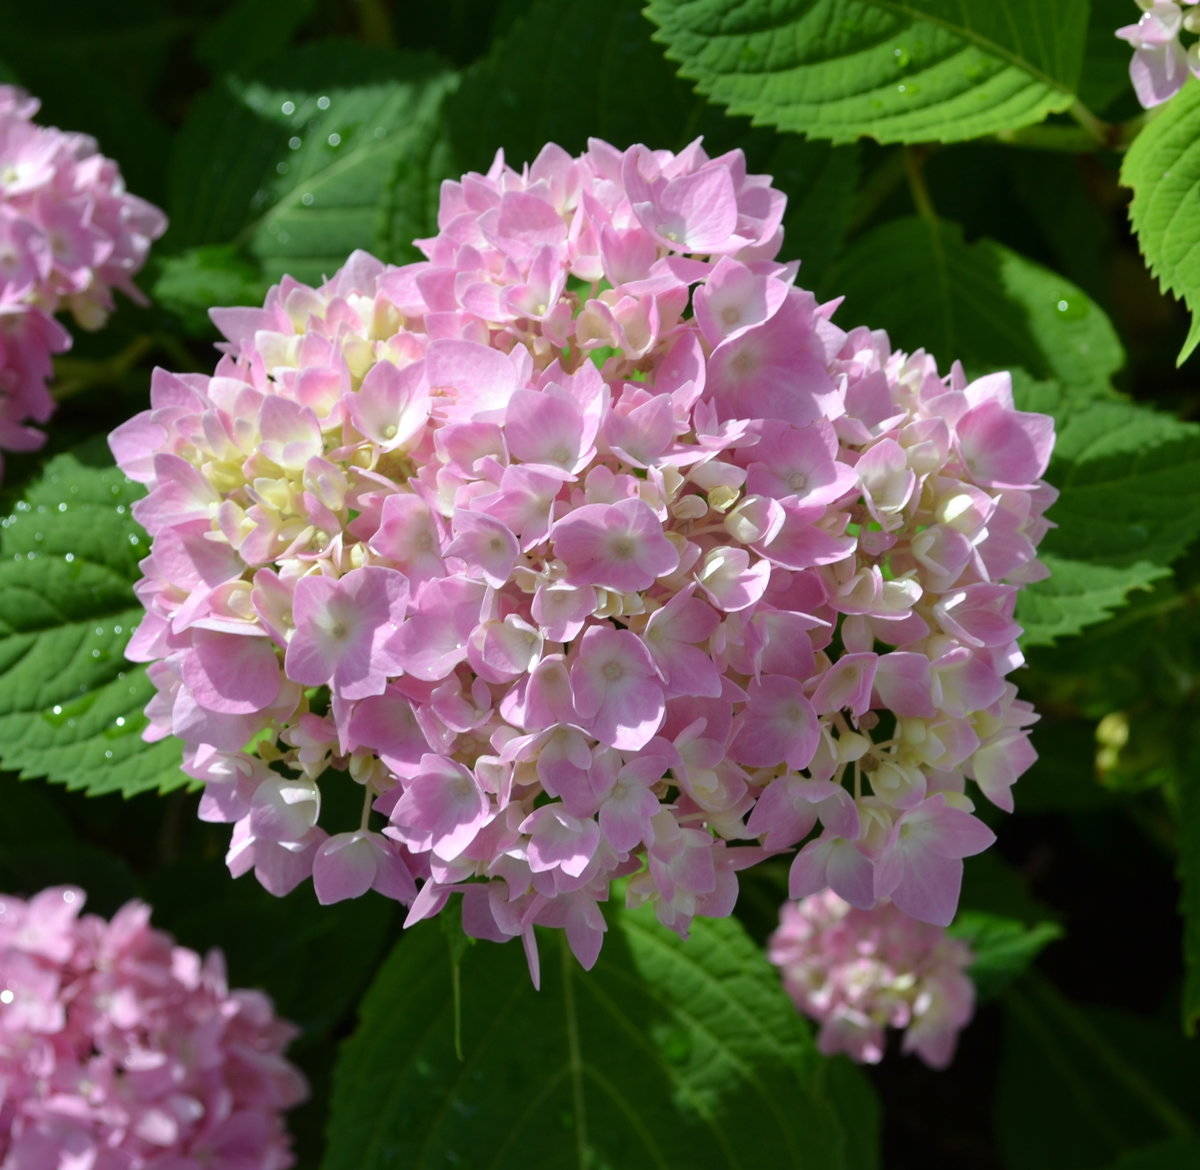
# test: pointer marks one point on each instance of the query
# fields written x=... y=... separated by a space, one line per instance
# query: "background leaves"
x=1078 y=1086
x=321 y=134
x=1163 y=168
x=979 y=302
x=1128 y=509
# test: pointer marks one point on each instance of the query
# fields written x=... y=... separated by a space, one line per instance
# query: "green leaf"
x=1078 y=1087
x=459 y=30
x=293 y=162
x=915 y=71
x=566 y=70
x=1163 y=168
x=851 y=1094
x=1002 y=922
x=1172 y=1155
x=408 y=209
x=70 y=705
x=1135 y=676
x=819 y=181
x=1076 y=235
x=190 y=283
x=1004 y=947
x=981 y=303
x=315 y=960
x=666 y=1054
x=250 y=32
x=1130 y=505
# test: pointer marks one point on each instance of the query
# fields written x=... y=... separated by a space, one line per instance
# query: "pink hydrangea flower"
x=859 y=972
x=588 y=547
x=122 y=1050
x=1160 y=63
x=69 y=235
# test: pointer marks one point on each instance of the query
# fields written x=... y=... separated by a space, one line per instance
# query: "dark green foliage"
x=664 y=1055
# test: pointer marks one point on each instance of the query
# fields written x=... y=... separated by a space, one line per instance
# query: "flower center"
x=622 y=548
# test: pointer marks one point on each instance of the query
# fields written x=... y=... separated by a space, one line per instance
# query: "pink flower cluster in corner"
x=857 y=972
x=1160 y=63
x=69 y=234
x=588 y=548
x=121 y=1051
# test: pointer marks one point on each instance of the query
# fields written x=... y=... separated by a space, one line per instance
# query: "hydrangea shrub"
x=859 y=972
x=121 y=1050
x=589 y=547
x=603 y=567
x=69 y=235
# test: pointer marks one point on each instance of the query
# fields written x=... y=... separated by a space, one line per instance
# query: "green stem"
x=1100 y=131
x=1090 y=134
x=456 y=999
x=914 y=161
x=1049 y=136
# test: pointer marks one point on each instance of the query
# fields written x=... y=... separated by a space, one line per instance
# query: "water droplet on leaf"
x=1071 y=310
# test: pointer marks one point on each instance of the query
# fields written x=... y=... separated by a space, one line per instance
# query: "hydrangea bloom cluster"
x=857 y=972
x=1160 y=63
x=69 y=235
x=588 y=547
x=121 y=1051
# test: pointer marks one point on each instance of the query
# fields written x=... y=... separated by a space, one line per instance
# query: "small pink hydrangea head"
x=859 y=972
x=69 y=234
x=1160 y=63
x=119 y=1048
x=588 y=547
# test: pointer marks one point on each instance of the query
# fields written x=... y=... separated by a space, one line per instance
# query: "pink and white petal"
x=344 y=867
